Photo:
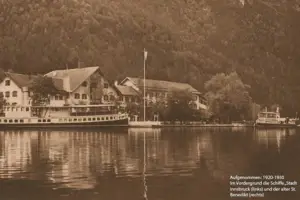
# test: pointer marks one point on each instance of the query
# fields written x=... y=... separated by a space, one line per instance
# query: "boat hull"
x=86 y=125
x=265 y=125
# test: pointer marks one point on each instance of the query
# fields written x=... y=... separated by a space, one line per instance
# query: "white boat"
x=62 y=116
x=273 y=120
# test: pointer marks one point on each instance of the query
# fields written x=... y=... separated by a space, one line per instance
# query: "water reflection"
x=75 y=159
x=152 y=157
x=273 y=137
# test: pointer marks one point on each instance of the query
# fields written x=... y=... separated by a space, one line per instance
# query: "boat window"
x=48 y=120
x=106 y=118
x=75 y=120
x=21 y=120
x=79 y=119
x=27 y=109
x=60 y=119
x=16 y=120
x=89 y=119
x=0 y=120
x=84 y=119
x=10 y=121
x=39 y=120
x=44 y=120
x=111 y=117
x=70 y=120
x=65 y=119
x=98 y=118
x=94 y=119
x=5 y=120
x=102 y=118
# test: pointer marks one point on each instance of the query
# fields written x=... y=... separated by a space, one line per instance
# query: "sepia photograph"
x=149 y=99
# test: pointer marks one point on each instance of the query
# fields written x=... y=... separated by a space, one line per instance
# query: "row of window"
x=77 y=96
x=7 y=94
x=64 y=120
x=17 y=109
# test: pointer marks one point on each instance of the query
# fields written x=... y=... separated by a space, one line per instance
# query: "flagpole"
x=145 y=57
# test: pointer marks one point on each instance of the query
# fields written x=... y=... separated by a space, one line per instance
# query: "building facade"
x=14 y=88
x=83 y=86
x=157 y=90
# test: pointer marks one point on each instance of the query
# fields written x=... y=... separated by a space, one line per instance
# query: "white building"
x=157 y=89
x=14 y=88
x=82 y=85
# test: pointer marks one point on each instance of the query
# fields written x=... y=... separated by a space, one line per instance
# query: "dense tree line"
x=188 y=41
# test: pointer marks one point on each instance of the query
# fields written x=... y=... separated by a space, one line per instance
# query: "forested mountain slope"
x=187 y=40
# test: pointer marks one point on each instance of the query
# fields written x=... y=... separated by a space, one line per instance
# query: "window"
x=7 y=83
x=48 y=120
x=21 y=120
x=39 y=120
x=89 y=119
x=7 y=94
x=77 y=96
x=194 y=98
x=94 y=119
x=56 y=97
x=84 y=96
x=84 y=119
x=10 y=121
x=105 y=85
x=61 y=97
x=75 y=120
x=84 y=84
x=111 y=97
x=105 y=97
x=16 y=121
x=98 y=118
x=44 y=120
x=14 y=93
x=27 y=109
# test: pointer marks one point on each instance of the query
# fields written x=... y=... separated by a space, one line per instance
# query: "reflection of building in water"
x=15 y=153
x=270 y=137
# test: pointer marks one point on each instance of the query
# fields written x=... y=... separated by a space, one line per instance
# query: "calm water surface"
x=134 y=164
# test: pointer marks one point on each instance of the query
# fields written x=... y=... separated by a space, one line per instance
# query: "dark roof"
x=126 y=90
x=21 y=80
x=76 y=77
x=161 y=85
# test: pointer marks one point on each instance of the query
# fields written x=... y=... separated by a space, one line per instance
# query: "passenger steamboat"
x=273 y=120
x=79 y=116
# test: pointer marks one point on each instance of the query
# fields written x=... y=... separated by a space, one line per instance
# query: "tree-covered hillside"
x=187 y=40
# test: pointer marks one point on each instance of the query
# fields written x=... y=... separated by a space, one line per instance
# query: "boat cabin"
x=269 y=115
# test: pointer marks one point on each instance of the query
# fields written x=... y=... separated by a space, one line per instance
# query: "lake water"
x=134 y=164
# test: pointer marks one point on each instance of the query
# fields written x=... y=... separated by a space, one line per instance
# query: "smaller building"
x=126 y=94
x=14 y=88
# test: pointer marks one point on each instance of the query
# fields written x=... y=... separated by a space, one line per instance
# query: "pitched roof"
x=21 y=80
x=77 y=77
x=162 y=85
x=126 y=90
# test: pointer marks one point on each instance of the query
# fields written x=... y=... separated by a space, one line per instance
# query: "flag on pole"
x=145 y=54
